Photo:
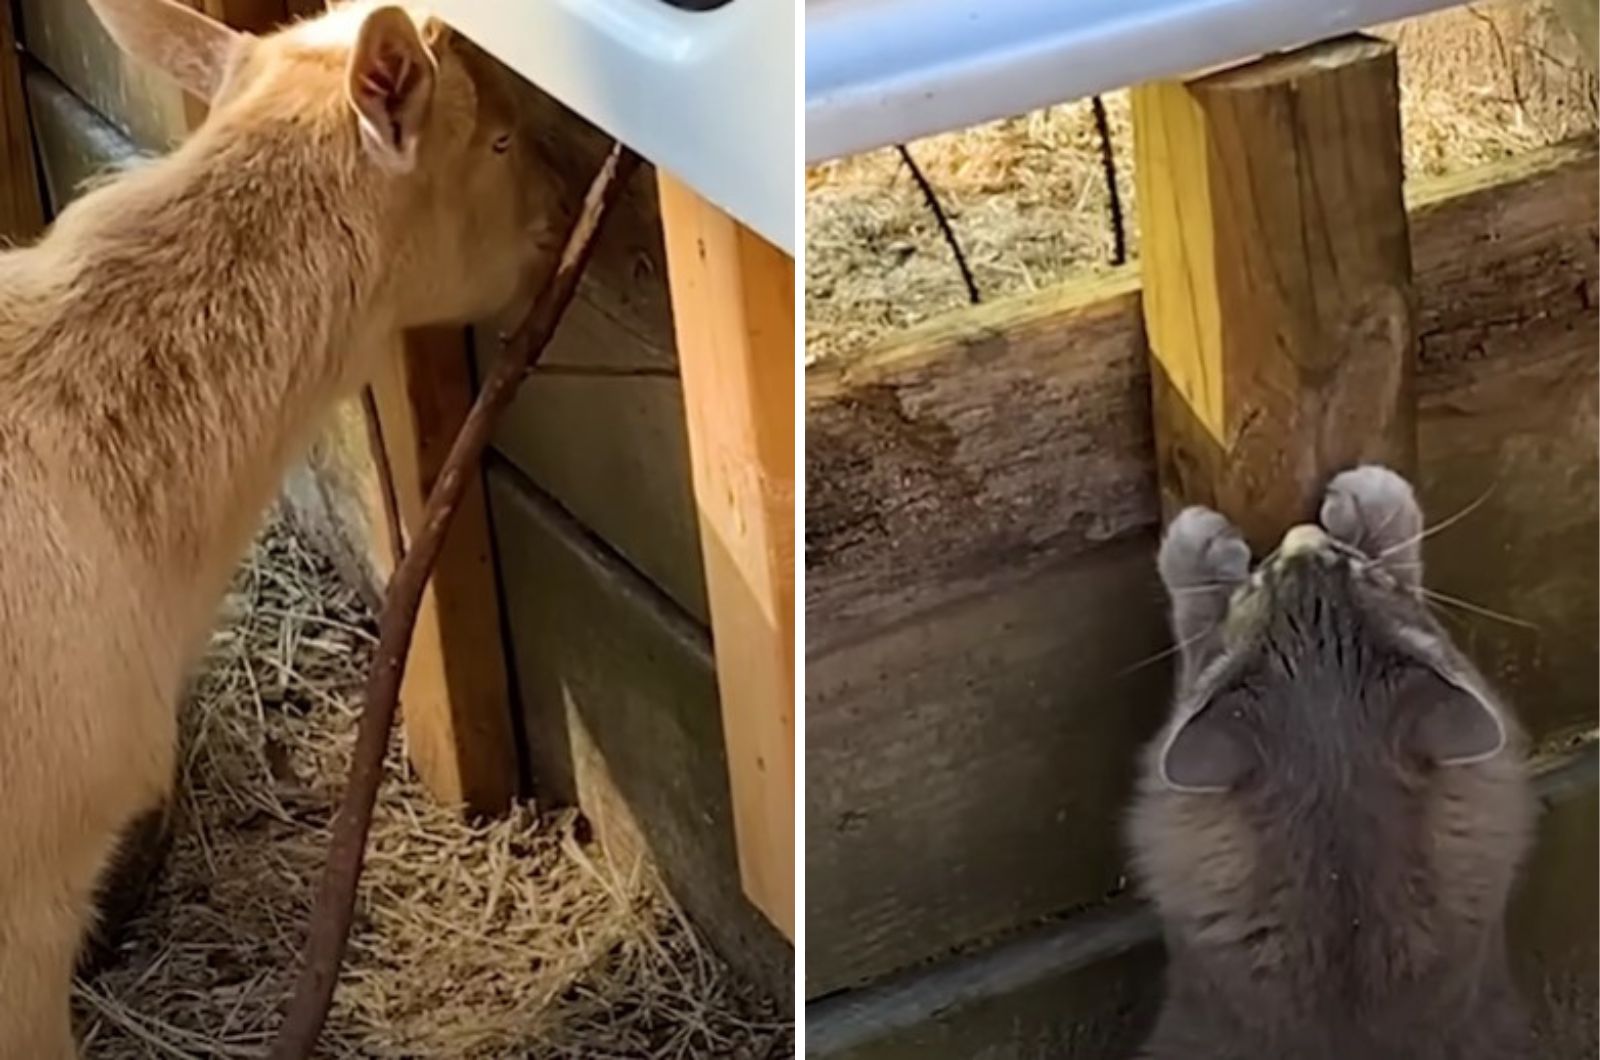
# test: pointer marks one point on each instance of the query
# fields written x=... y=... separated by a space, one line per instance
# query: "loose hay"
x=1028 y=201
x=509 y=938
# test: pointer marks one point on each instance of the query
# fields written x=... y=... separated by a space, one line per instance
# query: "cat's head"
x=1322 y=663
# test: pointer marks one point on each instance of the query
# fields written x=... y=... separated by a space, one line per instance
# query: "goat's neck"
x=213 y=307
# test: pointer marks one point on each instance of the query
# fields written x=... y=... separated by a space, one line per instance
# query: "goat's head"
x=418 y=115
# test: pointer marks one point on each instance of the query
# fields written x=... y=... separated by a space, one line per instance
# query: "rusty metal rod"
x=328 y=930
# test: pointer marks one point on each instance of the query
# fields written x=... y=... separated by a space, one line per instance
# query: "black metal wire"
x=1108 y=162
x=944 y=222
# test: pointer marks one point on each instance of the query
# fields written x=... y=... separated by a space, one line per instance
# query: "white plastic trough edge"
x=707 y=96
x=882 y=72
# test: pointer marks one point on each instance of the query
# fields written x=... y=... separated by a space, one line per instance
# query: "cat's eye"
x=502 y=143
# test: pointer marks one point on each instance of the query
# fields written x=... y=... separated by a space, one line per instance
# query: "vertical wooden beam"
x=455 y=699
x=21 y=203
x=1277 y=280
x=733 y=310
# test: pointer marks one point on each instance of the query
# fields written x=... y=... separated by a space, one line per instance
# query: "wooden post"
x=21 y=203
x=1277 y=280
x=455 y=699
x=733 y=309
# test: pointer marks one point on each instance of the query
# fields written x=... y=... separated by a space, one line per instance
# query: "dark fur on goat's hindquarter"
x=1331 y=821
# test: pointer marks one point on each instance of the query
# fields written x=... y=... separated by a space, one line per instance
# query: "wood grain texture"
x=965 y=769
x=1015 y=430
x=924 y=618
x=1086 y=987
x=456 y=695
x=75 y=143
x=22 y=212
x=1277 y=280
x=619 y=697
x=733 y=309
x=613 y=448
x=65 y=36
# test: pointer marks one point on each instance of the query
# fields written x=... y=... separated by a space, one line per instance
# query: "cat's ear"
x=1447 y=724
x=1212 y=750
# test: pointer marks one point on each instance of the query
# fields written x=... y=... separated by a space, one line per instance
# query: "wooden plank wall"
x=65 y=37
x=621 y=715
x=1087 y=987
x=981 y=521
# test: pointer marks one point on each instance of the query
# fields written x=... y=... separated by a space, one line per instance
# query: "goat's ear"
x=189 y=47
x=391 y=82
x=436 y=33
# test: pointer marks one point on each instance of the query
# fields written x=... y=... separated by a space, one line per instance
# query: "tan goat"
x=165 y=351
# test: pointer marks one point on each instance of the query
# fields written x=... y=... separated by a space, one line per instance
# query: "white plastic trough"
x=882 y=72
x=705 y=95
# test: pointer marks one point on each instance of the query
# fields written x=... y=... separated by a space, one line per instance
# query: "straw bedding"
x=1028 y=199
x=509 y=938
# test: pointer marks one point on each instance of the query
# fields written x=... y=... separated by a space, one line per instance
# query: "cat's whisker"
x=1477 y=609
x=1168 y=652
x=1349 y=551
x=1452 y=618
x=1429 y=531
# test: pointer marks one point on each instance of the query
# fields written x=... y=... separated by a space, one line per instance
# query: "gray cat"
x=1331 y=821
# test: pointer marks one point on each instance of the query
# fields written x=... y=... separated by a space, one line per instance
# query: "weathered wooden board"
x=1554 y=925
x=613 y=446
x=614 y=451
x=1509 y=397
x=1022 y=427
x=961 y=482
x=66 y=37
x=1086 y=988
x=75 y=143
x=1017 y=429
x=22 y=211
x=964 y=769
x=620 y=705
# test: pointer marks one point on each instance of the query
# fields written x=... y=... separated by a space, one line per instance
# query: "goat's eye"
x=502 y=143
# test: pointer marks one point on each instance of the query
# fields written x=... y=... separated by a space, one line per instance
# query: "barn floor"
x=1027 y=196
x=510 y=939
